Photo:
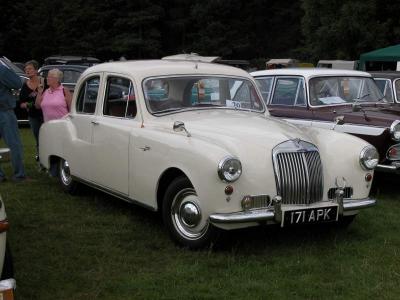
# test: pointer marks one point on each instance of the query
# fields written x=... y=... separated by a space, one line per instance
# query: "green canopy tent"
x=383 y=59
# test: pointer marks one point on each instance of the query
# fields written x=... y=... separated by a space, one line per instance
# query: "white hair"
x=56 y=73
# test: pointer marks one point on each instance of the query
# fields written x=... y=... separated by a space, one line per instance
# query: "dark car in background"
x=71 y=73
x=71 y=60
x=21 y=114
x=389 y=84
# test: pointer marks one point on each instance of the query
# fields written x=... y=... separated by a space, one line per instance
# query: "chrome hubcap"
x=186 y=215
x=65 y=174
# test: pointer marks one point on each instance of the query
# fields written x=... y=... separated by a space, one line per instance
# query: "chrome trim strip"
x=114 y=193
x=347 y=127
x=387 y=168
x=269 y=214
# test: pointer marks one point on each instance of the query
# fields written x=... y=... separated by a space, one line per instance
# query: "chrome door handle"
x=145 y=148
x=95 y=122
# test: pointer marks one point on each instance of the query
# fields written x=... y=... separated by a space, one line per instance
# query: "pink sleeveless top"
x=53 y=104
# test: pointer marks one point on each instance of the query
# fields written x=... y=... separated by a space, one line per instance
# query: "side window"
x=301 y=96
x=120 y=98
x=289 y=91
x=397 y=88
x=265 y=86
x=385 y=86
x=87 y=96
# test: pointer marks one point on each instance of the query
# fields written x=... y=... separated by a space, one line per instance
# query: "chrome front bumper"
x=260 y=215
x=394 y=168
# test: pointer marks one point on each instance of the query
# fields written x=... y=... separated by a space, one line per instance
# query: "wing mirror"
x=180 y=126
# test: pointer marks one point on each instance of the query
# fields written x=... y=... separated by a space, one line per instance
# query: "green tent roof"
x=391 y=53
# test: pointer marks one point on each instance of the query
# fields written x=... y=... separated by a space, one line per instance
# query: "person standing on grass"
x=55 y=101
x=27 y=98
x=8 y=122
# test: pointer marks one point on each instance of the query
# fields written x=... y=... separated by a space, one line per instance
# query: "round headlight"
x=395 y=130
x=369 y=157
x=229 y=169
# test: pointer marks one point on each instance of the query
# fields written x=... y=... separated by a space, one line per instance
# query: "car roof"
x=386 y=74
x=148 y=68
x=63 y=67
x=310 y=72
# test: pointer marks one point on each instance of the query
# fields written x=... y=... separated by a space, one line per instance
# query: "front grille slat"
x=299 y=174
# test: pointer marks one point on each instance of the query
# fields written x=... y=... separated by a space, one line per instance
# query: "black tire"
x=69 y=185
x=185 y=229
x=8 y=266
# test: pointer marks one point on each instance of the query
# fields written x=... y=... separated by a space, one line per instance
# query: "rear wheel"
x=67 y=182
x=183 y=217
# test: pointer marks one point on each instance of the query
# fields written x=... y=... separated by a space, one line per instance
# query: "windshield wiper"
x=205 y=104
x=169 y=110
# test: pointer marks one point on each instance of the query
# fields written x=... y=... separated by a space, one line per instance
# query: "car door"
x=82 y=117
x=111 y=135
x=288 y=100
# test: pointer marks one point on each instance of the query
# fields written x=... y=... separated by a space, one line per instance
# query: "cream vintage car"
x=195 y=141
x=7 y=281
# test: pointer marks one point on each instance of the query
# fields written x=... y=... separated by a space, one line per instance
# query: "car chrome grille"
x=299 y=172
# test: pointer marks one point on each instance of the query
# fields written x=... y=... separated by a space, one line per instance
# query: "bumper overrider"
x=274 y=213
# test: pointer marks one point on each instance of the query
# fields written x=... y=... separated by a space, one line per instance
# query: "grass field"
x=93 y=246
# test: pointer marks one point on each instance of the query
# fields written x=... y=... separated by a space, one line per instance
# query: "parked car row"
x=342 y=100
x=196 y=142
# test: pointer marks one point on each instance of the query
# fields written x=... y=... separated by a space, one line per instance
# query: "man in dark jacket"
x=8 y=122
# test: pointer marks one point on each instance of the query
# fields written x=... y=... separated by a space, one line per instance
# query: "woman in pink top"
x=55 y=101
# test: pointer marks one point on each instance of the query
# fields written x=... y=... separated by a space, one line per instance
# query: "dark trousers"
x=35 y=123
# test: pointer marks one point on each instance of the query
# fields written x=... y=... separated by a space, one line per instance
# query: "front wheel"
x=183 y=217
x=66 y=180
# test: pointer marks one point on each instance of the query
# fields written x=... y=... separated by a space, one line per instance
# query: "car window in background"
x=70 y=76
x=289 y=91
x=87 y=96
x=385 y=86
x=397 y=88
x=120 y=98
x=342 y=90
x=265 y=86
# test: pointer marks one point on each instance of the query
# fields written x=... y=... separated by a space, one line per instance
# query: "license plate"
x=310 y=215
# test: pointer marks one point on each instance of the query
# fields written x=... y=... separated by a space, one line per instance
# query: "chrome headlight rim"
x=222 y=174
x=369 y=162
x=393 y=131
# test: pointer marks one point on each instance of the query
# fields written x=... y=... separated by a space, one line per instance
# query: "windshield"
x=192 y=92
x=343 y=90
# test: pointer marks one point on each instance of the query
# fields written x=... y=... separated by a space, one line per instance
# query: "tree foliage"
x=234 y=29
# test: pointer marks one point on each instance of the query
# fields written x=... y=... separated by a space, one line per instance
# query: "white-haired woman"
x=55 y=101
